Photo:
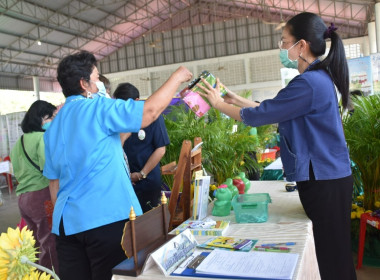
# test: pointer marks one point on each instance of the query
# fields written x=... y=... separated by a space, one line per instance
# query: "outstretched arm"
x=224 y=104
x=159 y=100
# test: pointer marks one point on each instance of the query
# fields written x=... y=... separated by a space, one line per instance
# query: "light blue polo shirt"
x=83 y=150
x=310 y=127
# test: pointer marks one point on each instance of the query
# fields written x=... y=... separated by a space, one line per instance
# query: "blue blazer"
x=310 y=127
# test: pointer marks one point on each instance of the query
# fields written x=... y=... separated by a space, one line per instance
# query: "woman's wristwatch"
x=143 y=174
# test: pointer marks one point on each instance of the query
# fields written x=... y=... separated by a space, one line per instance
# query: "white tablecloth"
x=287 y=222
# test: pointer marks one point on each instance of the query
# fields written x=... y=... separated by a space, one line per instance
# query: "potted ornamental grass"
x=362 y=132
x=227 y=145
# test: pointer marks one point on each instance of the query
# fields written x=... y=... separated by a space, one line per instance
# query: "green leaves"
x=224 y=153
x=362 y=131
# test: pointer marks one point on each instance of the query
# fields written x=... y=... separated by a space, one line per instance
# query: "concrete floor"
x=10 y=217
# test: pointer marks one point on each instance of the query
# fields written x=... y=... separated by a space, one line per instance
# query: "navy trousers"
x=327 y=203
x=90 y=255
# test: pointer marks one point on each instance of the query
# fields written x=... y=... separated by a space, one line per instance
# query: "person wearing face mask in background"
x=313 y=147
x=84 y=161
x=28 y=158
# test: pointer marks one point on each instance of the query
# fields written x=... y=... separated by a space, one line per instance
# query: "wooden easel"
x=188 y=162
x=141 y=236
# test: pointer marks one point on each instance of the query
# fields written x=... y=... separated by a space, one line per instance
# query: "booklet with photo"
x=205 y=227
x=229 y=243
x=169 y=256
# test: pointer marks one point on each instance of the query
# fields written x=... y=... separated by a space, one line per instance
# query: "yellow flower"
x=35 y=275
x=213 y=187
x=360 y=209
x=368 y=211
x=242 y=163
x=360 y=198
x=354 y=206
x=358 y=214
x=353 y=215
x=13 y=245
x=377 y=204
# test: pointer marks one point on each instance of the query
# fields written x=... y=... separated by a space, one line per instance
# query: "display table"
x=287 y=222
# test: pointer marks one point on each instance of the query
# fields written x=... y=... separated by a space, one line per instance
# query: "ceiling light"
x=39 y=42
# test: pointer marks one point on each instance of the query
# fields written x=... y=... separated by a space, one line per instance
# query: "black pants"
x=90 y=255
x=327 y=203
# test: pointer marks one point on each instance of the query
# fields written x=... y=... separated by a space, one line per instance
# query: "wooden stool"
x=365 y=218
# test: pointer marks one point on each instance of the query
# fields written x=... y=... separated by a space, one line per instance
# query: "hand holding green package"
x=191 y=97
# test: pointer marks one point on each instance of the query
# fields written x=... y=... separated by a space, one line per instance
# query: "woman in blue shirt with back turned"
x=84 y=161
x=313 y=147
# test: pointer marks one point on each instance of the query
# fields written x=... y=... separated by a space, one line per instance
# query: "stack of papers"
x=262 y=265
x=240 y=265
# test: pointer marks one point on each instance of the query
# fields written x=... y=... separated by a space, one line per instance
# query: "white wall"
x=258 y=72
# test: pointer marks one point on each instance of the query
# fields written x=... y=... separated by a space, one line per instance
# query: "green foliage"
x=224 y=153
x=362 y=131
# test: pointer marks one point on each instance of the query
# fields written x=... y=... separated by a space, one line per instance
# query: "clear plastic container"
x=251 y=208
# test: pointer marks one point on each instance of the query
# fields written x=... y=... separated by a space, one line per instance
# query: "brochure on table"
x=201 y=193
x=206 y=226
x=170 y=255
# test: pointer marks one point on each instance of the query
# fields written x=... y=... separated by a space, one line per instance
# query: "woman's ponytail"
x=312 y=29
x=336 y=65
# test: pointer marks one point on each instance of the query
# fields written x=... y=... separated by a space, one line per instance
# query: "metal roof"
x=36 y=34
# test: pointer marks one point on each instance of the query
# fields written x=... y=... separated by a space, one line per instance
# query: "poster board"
x=375 y=63
x=360 y=73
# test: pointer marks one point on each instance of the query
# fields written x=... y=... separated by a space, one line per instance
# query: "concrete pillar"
x=372 y=37
x=366 y=48
x=36 y=86
x=247 y=71
x=377 y=20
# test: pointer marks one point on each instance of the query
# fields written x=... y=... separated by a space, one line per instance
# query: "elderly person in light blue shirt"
x=89 y=183
x=313 y=148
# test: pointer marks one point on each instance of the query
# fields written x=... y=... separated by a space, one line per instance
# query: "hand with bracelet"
x=138 y=176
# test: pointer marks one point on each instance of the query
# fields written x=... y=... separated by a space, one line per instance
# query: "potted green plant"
x=224 y=152
x=362 y=131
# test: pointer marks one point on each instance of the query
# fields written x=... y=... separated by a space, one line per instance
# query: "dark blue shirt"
x=310 y=127
x=138 y=152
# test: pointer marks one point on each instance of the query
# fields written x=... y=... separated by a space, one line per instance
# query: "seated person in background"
x=144 y=150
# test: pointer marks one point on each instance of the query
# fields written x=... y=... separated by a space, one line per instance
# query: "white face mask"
x=101 y=90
